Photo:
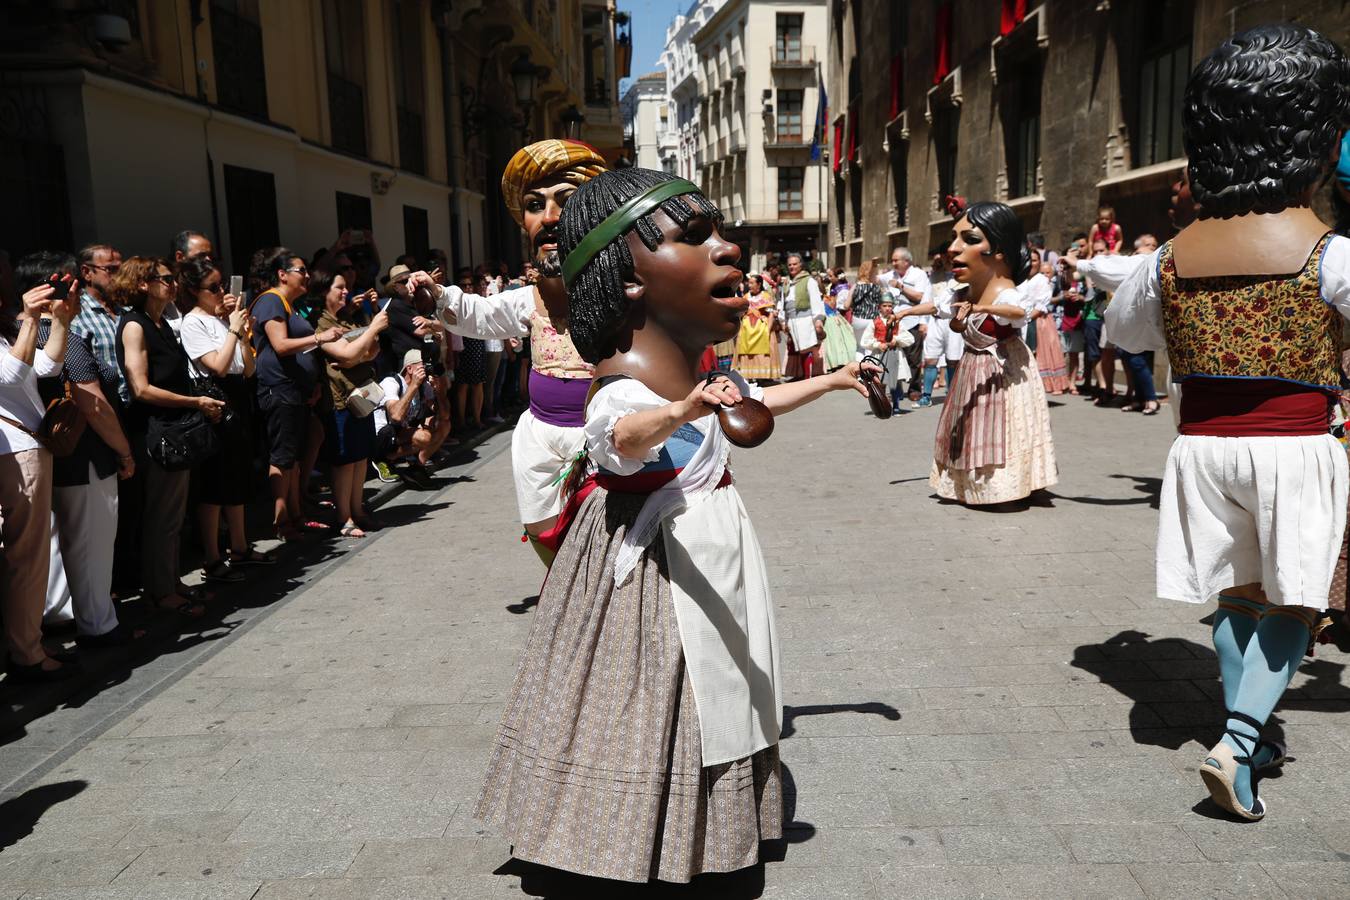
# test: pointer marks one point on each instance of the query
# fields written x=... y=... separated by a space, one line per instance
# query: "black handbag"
x=179 y=444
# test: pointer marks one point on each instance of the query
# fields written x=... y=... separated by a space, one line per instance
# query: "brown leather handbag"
x=62 y=426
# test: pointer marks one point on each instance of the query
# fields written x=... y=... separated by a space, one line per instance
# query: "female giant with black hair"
x=640 y=739
x=993 y=438
x=1249 y=302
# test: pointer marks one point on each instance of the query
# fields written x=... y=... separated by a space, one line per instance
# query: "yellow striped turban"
x=574 y=161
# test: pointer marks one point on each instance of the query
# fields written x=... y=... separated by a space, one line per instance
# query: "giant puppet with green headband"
x=647 y=707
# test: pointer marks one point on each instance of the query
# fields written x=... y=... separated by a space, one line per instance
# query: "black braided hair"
x=1006 y=235
x=1261 y=118
x=597 y=304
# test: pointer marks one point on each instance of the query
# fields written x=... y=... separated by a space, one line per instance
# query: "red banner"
x=1014 y=11
x=838 y=158
x=942 y=48
x=897 y=84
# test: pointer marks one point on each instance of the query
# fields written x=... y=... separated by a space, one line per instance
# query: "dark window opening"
x=251 y=204
x=236 y=47
x=1164 y=68
x=789 y=125
x=787 y=44
x=900 y=182
x=37 y=203
x=790 y=183
x=344 y=50
x=946 y=123
x=416 y=233
x=1021 y=108
x=408 y=78
x=353 y=211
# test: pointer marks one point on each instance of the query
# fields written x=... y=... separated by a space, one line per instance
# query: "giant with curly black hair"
x=1262 y=116
x=597 y=302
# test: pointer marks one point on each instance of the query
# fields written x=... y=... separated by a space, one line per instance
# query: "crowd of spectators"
x=145 y=398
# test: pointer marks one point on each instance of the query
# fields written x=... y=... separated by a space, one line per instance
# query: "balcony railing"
x=347 y=114
x=793 y=57
x=782 y=141
x=412 y=146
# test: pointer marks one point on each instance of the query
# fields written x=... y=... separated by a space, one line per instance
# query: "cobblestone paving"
x=978 y=704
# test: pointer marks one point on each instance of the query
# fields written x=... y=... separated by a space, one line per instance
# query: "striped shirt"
x=99 y=327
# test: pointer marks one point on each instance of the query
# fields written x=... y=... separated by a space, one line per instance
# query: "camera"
x=431 y=357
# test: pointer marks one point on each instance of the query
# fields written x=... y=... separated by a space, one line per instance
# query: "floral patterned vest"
x=1251 y=326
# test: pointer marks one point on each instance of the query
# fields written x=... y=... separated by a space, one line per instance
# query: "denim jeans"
x=1141 y=375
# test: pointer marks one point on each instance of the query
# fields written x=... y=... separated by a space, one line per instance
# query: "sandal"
x=1151 y=408
x=1132 y=407
x=310 y=525
x=1219 y=771
x=252 y=557
x=222 y=571
x=184 y=607
x=351 y=530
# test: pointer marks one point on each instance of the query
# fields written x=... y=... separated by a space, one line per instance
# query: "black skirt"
x=226 y=479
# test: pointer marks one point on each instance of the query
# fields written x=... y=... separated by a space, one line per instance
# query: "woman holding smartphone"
x=215 y=333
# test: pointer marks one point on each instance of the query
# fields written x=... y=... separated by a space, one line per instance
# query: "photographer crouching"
x=413 y=419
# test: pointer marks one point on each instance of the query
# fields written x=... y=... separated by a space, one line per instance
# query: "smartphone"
x=237 y=286
x=60 y=286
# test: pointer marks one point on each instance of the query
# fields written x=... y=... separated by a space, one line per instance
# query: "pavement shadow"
x=790 y=713
x=1150 y=487
x=1134 y=664
x=523 y=606
x=743 y=884
x=19 y=814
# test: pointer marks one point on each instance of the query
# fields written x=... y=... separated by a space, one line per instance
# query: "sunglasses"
x=163 y=278
x=299 y=270
x=112 y=269
x=216 y=288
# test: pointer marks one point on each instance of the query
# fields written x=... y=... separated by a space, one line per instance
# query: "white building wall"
x=143 y=188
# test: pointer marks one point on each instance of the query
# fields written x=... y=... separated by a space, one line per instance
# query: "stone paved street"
x=978 y=704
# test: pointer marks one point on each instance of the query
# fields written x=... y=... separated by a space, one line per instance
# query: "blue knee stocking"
x=929 y=379
x=1268 y=665
x=1234 y=625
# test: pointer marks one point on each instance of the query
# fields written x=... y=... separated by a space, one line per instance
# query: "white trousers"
x=87 y=516
x=539 y=453
x=56 y=609
x=1246 y=510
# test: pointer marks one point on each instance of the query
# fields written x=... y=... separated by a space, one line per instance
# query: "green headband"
x=618 y=222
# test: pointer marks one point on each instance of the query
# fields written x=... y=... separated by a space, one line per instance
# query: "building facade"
x=647 y=132
x=1054 y=108
x=760 y=88
x=261 y=122
x=681 y=65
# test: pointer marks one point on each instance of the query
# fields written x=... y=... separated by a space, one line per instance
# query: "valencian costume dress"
x=754 y=356
x=640 y=737
x=993 y=438
x=1255 y=486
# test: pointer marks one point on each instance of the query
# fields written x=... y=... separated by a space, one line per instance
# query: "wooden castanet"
x=747 y=423
x=877 y=397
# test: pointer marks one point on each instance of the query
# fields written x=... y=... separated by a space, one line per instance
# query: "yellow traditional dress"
x=754 y=357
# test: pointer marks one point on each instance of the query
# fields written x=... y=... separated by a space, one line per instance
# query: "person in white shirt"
x=411 y=421
x=26 y=479
x=911 y=287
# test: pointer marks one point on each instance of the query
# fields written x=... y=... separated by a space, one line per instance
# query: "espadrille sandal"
x=1219 y=772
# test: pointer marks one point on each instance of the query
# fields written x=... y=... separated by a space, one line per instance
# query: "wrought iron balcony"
x=347 y=115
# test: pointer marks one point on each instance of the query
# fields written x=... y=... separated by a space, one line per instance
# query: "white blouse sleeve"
x=1134 y=316
x=1014 y=297
x=1109 y=271
x=621 y=397
x=499 y=317
x=1336 y=274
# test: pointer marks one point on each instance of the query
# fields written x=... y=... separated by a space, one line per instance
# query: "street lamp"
x=572 y=120
x=525 y=77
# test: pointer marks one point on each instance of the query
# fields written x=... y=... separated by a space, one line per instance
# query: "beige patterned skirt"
x=1000 y=412
x=597 y=767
